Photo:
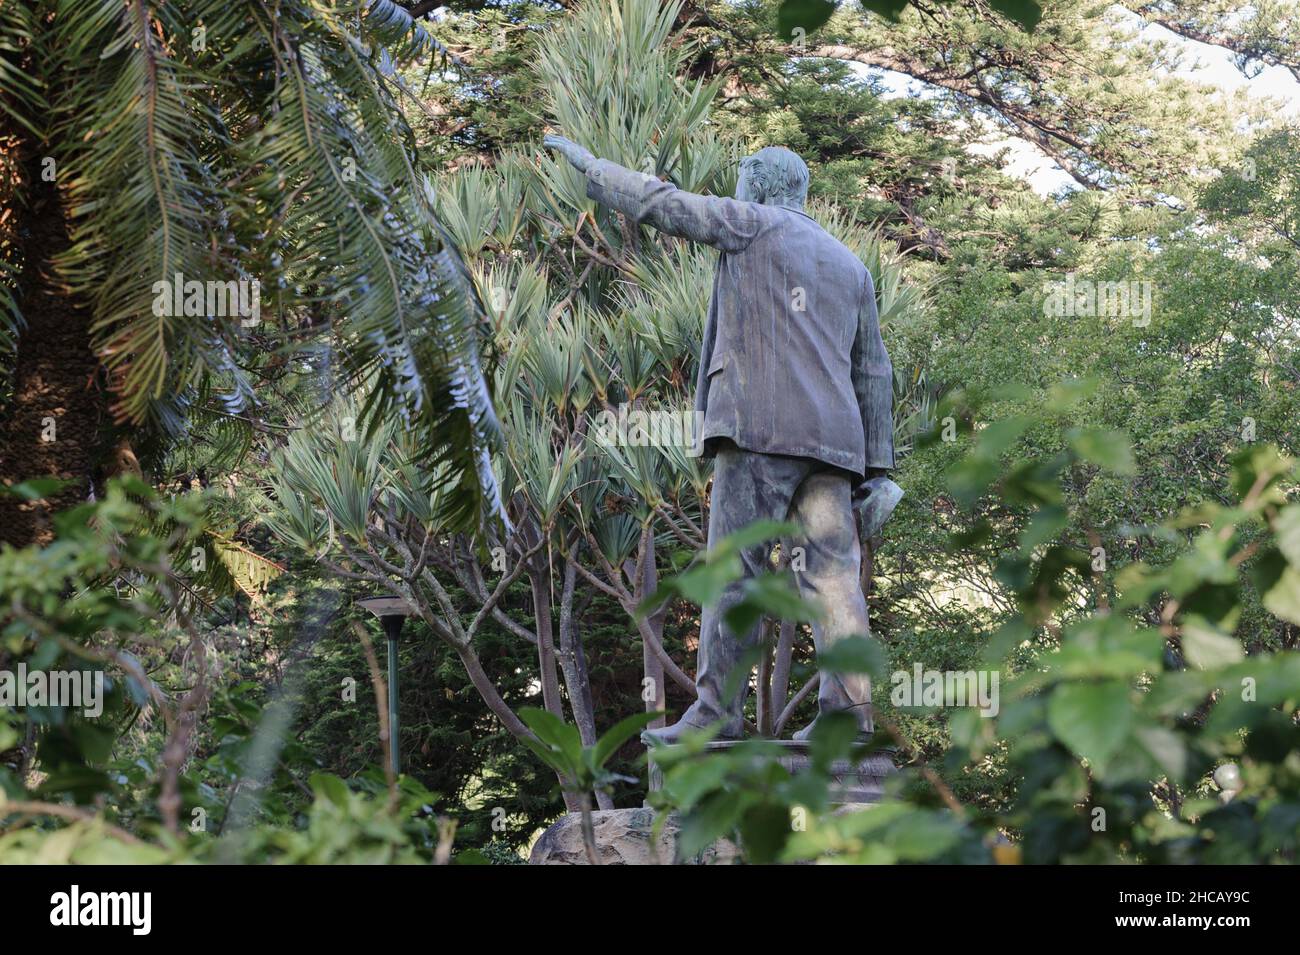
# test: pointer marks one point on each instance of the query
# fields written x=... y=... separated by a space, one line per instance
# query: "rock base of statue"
x=627 y=837
x=854 y=782
x=621 y=837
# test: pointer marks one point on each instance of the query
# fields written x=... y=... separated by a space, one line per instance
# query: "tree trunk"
x=763 y=709
x=777 y=685
x=546 y=663
x=573 y=663
x=781 y=663
x=58 y=411
x=548 y=674
x=868 y=574
x=488 y=691
x=653 y=690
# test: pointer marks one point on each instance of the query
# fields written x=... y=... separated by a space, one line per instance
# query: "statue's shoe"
x=671 y=735
x=805 y=734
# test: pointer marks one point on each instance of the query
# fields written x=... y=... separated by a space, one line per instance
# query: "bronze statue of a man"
x=795 y=392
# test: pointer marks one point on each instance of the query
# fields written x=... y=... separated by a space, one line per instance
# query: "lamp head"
x=386 y=606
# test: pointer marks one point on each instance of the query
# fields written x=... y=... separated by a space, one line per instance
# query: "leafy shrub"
x=1124 y=740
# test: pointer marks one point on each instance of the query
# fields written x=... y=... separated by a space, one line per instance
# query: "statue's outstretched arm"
x=725 y=224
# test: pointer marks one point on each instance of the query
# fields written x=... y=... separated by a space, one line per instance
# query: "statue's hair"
x=780 y=172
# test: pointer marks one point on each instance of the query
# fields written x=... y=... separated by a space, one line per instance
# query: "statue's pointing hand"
x=579 y=157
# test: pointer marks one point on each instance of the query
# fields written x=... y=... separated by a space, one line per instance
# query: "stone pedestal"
x=623 y=837
x=854 y=783
x=626 y=836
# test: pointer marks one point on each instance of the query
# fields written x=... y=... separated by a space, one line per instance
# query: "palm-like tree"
x=217 y=140
x=590 y=313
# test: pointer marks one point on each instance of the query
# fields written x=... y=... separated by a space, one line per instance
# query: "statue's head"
x=773 y=176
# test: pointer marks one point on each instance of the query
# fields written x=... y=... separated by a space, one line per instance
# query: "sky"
x=1201 y=62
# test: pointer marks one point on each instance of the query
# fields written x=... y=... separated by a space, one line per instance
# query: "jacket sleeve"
x=725 y=224
x=873 y=383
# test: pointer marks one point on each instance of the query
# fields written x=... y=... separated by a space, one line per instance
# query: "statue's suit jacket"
x=792 y=362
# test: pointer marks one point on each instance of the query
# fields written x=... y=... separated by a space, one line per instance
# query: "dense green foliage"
x=1093 y=713
x=1099 y=500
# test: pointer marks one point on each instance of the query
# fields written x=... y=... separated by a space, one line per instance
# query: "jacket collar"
x=792 y=209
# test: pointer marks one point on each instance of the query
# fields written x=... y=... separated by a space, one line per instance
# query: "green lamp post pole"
x=392 y=624
x=392 y=613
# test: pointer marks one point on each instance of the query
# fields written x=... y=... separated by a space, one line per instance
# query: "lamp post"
x=392 y=613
